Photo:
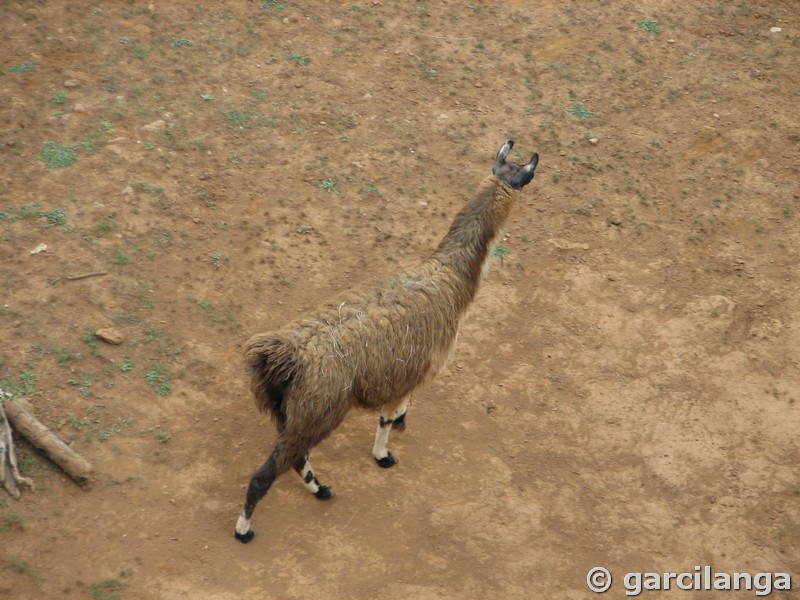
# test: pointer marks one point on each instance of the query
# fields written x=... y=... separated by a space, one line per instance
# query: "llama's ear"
x=500 y=159
x=525 y=175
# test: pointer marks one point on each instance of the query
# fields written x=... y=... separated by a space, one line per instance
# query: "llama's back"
x=367 y=347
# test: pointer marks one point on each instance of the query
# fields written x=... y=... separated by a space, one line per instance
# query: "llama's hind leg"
x=306 y=471
x=391 y=414
x=281 y=459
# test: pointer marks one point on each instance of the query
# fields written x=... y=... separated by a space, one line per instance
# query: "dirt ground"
x=625 y=392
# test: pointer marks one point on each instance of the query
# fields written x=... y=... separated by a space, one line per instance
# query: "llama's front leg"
x=391 y=415
x=306 y=471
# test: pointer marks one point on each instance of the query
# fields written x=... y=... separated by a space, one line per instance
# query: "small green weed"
x=18 y=566
x=216 y=260
x=121 y=257
x=273 y=6
x=237 y=118
x=55 y=218
x=107 y=589
x=90 y=338
x=64 y=356
x=60 y=97
x=300 y=59
x=304 y=229
x=126 y=365
x=106 y=224
x=579 y=110
x=650 y=26
x=56 y=156
x=180 y=43
x=500 y=252
x=139 y=51
x=158 y=380
x=373 y=189
x=163 y=437
x=328 y=185
x=21 y=68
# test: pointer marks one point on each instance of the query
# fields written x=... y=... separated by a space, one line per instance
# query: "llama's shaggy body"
x=372 y=347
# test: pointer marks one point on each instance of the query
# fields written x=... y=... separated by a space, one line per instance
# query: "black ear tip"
x=510 y=143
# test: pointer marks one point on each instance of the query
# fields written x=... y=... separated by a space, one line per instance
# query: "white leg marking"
x=242 y=525
x=309 y=478
x=379 y=449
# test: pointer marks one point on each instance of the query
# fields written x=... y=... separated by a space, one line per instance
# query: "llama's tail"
x=273 y=366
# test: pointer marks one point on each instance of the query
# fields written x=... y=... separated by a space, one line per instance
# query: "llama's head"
x=510 y=173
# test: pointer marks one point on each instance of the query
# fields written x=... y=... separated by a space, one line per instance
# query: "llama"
x=372 y=347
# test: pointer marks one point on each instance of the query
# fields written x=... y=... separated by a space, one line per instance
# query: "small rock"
x=775 y=29
x=156 y=126
x=109 y=335
x=127 y=191
x=39 y=249
x=593 y=141
x=479 y=85
x=71 y=83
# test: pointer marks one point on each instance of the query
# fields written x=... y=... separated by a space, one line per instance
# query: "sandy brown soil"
x=626 y=387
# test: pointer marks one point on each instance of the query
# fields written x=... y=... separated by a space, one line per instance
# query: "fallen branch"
x=10 y=476
x=40 y=436
x=86 y=275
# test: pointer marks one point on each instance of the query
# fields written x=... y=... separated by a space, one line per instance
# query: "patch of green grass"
x=90 y=338
x=25 y=384
x=163 y=437
x=237 y=118
x=65 y=356
x=121 y=257
x=139 y=51
x=157 y=378
x=180 y=43
x=304 y=229
x=650 y=26
x=261 y=95
x=126 y=365
x=579 y=110
x=107 y=589
x=216 y=260
x=273 y=6
x=60 y=97
x=21 y=68
x=12 y=521
x=55 y=218
x=56 y=156
x=300 y=59
x=106 y=224
x=21 y=567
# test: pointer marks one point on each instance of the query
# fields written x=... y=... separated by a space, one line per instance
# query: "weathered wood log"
x=40 y=436
x=10 y=476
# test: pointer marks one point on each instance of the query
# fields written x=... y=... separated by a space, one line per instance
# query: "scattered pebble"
x=71 y=83
x=593 y=141
x=109 y=335
x=775 y=29
x=39 y=249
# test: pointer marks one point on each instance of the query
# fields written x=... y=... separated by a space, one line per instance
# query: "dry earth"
x=626 y=388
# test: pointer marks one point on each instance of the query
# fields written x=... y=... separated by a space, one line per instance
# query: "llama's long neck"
x=466 y=246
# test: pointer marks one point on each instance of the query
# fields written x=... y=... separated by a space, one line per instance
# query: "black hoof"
x=399 y=423
x=246 y=538
x=325 y=492
x=387 y=461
